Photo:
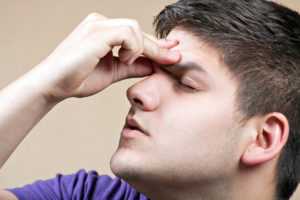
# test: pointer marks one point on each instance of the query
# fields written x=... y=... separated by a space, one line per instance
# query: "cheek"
x=190 y=124
x=190 y=115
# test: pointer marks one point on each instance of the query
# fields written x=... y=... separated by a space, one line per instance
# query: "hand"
x=83 y=64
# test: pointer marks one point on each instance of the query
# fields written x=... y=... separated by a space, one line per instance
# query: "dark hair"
x=260 y=43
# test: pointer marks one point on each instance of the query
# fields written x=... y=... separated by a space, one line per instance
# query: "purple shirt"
x=80 y=186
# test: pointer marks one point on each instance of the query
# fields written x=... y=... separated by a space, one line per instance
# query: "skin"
x=182 y=124
x=82 y=65
x=196 y=149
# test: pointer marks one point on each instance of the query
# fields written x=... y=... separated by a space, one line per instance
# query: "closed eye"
x=183 y=83
x=186 y=86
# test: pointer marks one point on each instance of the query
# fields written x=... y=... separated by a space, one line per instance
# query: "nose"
x=145 y=94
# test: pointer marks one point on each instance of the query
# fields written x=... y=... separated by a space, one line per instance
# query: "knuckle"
x=134 y=23
x=136 y=27
x=140 y=51
x=127 y=30
x=94 y=15
x=90 y=27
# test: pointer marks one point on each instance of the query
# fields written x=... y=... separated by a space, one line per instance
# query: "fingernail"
x=173 y=41
x=176 y=41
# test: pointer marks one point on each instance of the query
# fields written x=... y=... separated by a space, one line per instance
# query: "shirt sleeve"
x=80 y=186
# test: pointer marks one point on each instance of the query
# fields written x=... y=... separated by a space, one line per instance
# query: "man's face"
x=193 y=133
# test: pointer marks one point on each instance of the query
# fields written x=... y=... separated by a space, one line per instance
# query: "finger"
x=132 y=54
x=128 y=34
x=141 y=67
x=163 y=43
x=161 y=55
x=131 y=47
x=92 y=17
x=126 y=56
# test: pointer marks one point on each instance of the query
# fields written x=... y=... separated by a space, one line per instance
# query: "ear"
x=271 y=136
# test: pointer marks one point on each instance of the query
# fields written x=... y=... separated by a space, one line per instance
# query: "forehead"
x=186 y=39
x=194 y=50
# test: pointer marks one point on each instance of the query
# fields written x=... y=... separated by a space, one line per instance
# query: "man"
x=216 y=116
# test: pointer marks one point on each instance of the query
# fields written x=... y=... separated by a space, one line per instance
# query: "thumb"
x=140 y=68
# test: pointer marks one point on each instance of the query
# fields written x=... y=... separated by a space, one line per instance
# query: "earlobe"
x=272 y=134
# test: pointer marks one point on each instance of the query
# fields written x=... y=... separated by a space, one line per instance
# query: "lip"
x=133 y=126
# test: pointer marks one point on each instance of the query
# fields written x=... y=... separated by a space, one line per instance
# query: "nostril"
x=137 y=101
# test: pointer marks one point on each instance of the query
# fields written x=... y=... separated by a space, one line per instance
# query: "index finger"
x=159 y=52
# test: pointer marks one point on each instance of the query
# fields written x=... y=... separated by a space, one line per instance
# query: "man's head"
x=228 y=111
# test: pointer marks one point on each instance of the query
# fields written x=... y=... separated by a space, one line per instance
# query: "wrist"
x=36 y=80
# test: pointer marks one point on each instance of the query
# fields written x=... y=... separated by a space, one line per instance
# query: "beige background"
x=78 y=133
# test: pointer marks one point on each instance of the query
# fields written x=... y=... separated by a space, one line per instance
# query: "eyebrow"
x=188 y=65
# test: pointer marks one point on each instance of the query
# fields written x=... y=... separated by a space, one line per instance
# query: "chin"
x=125 y=165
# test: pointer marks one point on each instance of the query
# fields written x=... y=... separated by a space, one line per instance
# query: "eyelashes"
x=186 y=86
x=183 y=83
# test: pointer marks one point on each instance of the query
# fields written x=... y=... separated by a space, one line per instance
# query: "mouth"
x=132 y=125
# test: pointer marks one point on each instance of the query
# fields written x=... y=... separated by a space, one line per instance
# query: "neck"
x=188 y=191
x=249 y=184
x=258 y=183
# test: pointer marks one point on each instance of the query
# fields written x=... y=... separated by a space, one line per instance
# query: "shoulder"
x=82 y=185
